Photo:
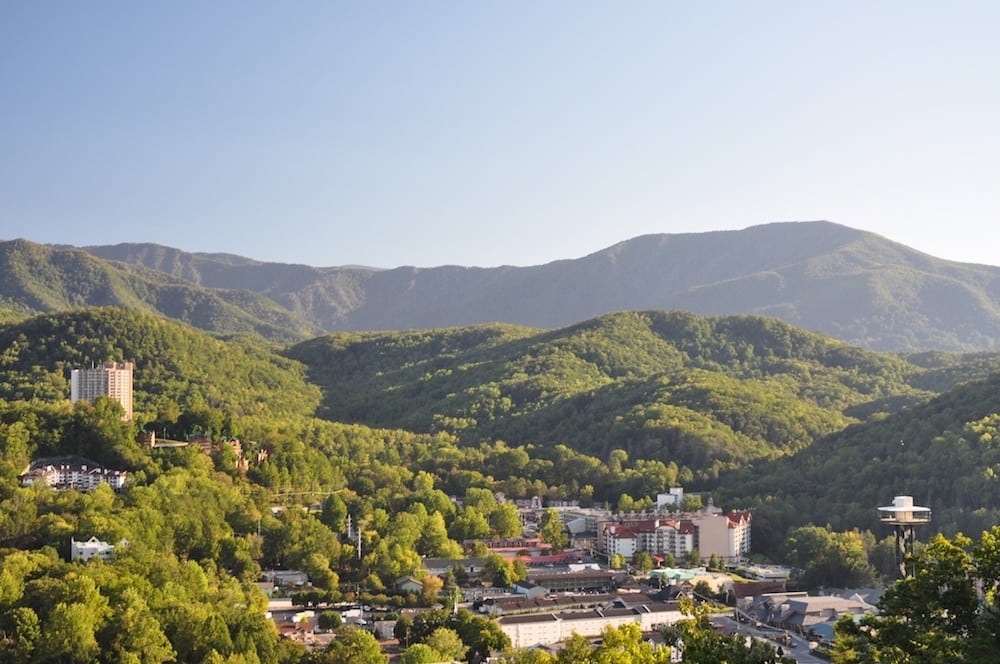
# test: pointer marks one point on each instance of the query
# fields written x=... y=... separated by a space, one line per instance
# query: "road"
x=799 y=650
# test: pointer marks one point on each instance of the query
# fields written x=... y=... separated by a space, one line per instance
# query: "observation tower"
x=904 y=516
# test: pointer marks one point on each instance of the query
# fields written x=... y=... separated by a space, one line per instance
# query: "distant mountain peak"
x=851 y=284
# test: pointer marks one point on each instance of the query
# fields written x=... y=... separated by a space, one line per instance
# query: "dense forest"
x=385 y=428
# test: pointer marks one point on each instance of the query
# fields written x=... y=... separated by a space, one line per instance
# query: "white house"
x=84 y=551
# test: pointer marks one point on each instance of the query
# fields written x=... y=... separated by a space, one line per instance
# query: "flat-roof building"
x=110 y=379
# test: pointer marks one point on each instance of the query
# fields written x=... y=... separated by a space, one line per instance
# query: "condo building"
x=110 y=379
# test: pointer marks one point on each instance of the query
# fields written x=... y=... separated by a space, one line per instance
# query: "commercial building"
x=110 y=379
x=533 y=629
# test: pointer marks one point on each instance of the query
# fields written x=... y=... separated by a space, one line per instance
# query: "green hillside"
x=176 y=367
x=705 y=393
x=38 y=279
x=945 y=453
x=852 y=285
x=796 y=425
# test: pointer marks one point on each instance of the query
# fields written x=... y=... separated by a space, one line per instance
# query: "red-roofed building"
x=656 y=537
x=727 y=536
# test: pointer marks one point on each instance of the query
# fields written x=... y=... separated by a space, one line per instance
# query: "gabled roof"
x=737 y=519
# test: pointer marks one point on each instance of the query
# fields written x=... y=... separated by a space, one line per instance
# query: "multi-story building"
x=110 y=379
x=655 y=536
x=72 y=473
x=727 y=536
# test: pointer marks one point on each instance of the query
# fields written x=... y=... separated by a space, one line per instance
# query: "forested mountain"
x=631 y=401
x=705 y=393
x=849 y=284
x=945 y=453
x=176 y=366
x=40 y=279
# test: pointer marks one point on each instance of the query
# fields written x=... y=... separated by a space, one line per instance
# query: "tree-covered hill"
x=849 y=284
x=625 y=403
x=176 y=367
x=38 y=279
x=945 y=453
x=705 y=393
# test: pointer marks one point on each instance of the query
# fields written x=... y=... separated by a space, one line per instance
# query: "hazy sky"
x=486 y=133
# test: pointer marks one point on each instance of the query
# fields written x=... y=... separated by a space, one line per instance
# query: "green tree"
x=317 y=567
x=402 y=629
x=829 y=558
x=421 y=653
x=25 y=632
x=471 y=524
x=482 y=635
x=501 y=572
x=434 y=540
x=930 y=616
x=353 y=646
x=552 y=530
x=625 y=644
x=522 y=656
x=700 y=643
x=642 y=561
x=432 y=586
x=447 y=643
x=506 y=521
x=329 y=620
x=576 y=650
x=480 y=499
x=70 y=635
x=134 y=634
x=334 y=513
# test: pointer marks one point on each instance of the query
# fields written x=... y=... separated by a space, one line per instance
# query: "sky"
x=424 y=132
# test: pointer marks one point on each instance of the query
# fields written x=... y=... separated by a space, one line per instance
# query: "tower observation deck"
x=904 y=516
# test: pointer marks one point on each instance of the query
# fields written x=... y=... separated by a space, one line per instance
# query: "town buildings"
x=708 y=531
x=803 y=613
x=526 y=630
x=72 y=472
x=110 y=379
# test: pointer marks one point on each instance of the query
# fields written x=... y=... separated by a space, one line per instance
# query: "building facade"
x=84 y=551
x=533 y=629
x=110 y=379
x=727 y=536
x=81 y=475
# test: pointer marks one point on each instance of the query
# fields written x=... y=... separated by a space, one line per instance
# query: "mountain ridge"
x=853 y=285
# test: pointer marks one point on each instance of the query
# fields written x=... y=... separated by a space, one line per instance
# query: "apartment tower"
x=110 y=379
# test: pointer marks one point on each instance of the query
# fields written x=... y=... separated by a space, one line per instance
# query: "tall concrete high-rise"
x=110 y=379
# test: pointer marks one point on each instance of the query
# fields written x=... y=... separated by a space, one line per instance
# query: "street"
x=797 y=650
